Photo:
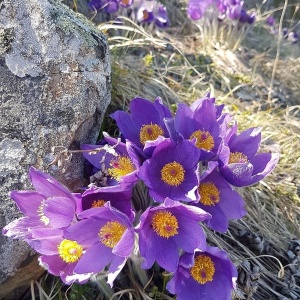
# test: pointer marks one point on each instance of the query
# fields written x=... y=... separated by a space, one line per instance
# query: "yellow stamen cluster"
x=69 y=251
x=172 y=173
x=203 y=269
x=209 y=193
x=237 y=157
x=111 y=233
x=150 y=133
x=98 y=203
x=204 y=140
x=165 y=224
x=121 y=166
x=41 y=214
x=125 y=2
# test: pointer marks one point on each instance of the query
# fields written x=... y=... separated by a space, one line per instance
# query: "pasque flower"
x=145 y=12
x=109 y=6
x=145 y=122
x=219 y=199
x=244 y=166
x=59 y=255
x=172 y=171
x=200 y=124
x=115 y=162
x=149 y=11
x=97 y=196
x=126 y=3
x=161 y=17
x=51 y=205
x=234 y=9
x=270 y=21
x=196 y=8
x=107 y=236
x=218 y=108
x=204 y=275
x=168 y=228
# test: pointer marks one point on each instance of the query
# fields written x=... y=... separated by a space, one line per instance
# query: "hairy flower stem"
x=104 y=287
x=140 y=197
x=137 y=270
x=167 y=276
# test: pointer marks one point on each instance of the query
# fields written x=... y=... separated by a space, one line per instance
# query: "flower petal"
x=238 y=174
x=125 y=246
x=115 y=268
x=247 y=142
x=19 y=229
x=28 y=202
x=46 y=185
x=53 y=263
x=94 y=260
x=60 y=211
x=85 y=231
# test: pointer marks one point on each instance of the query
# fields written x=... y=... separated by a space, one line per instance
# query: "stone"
x=54 y=90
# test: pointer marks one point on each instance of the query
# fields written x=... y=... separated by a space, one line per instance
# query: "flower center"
x=204 y=139
x=150 y=133
x=145 y=14
x=98 y=203
x=69 y=251
x=111 y=233
x=165 y=224
x=125 y=2
x=203 y=269
x=237 y=157
x=121 y=166
x=209 y=193
x=40 y=212
x=172 y=173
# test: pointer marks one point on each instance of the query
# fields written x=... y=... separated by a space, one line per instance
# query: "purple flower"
x=96 y=197
x=197 y=8
x=51 y=206
x=125 y=3
x=270 y=21
x=234 y=12
x=166 y=229
x=59 y=255
x=244 y=166
x=204 y=275
x=161 y=17
x=115 y=162
x=145 y=15
x=197 y=103
x=222 y=118
x=172 y=171
x=146 y=121
x=107 y=236
x=109 y=6
x=220 y=200
x=251 y=18
x=222 y=8
x=200 y=124
x=96 y=4
x=293 y=37
x=244 y=17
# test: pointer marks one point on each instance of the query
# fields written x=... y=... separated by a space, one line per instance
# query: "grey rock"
x=54 y=90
